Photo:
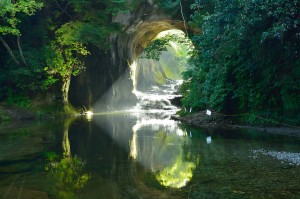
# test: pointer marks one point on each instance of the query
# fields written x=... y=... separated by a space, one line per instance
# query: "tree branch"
x=63 y=10
x=20 y=50
x=183 y=19
x=9 y=51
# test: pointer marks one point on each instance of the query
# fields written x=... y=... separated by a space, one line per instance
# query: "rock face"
x=141 y=26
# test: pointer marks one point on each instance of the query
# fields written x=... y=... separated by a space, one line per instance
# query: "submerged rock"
x=292 y=158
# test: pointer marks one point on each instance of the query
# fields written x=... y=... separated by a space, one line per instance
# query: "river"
x=142 y=153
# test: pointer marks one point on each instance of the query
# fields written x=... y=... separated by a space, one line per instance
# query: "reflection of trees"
x=68 y=172
x=177 y=175
x=166 y=154
x=65 y=141
x=179 y=170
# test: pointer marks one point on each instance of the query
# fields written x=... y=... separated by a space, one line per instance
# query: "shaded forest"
x=45 y=42
x=245 y=60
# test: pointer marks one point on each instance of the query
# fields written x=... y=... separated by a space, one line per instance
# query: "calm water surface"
x=129 y=155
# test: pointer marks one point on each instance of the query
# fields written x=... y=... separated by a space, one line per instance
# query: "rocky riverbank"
x=201 y=119
x=16 y=114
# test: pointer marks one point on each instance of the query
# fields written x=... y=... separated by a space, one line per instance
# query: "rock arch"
x=103 y=69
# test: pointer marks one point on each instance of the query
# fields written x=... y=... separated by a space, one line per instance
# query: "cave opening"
x=155 y=76
x=165 y=58
x=107 y=81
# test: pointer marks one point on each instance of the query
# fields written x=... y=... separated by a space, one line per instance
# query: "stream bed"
x=144 y=155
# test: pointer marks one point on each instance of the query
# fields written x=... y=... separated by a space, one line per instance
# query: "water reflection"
x=89 y=115
x=237 y=164
x=177 y=175
x=156 y=142
x=67 y=173
x=208 y=140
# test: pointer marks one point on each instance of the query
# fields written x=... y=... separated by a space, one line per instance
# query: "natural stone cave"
x=141 y=26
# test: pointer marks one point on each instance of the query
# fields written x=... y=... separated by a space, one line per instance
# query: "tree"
x=10 y=16
x=76 y=25
x=63 y=60
x=246 y=58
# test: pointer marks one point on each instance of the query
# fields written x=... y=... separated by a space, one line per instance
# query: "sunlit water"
x=158 y=99
x=144 y=154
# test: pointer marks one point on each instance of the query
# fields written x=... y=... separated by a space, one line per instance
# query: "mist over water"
x=119 y=97
x=141 y=92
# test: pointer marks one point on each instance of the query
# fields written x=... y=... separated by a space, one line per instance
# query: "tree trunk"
x=184 y=22
x=20 y=50
x=9 y=51
x=65 y=89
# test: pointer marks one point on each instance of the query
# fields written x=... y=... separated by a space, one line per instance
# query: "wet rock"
x=176 y=101
x=202 y=119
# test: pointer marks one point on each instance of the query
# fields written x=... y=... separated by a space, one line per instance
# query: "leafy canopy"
x=10 y=14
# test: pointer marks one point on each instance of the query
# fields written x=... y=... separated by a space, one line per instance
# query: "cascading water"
x=156 y=98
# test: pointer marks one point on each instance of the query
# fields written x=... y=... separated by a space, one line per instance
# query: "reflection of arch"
x=163 y=153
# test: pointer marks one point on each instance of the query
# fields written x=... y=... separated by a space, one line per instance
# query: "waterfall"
x=133 y=75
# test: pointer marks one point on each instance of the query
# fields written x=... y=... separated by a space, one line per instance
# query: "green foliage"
x=10 y=14
x=170 y=5
x=50 y=156
x=54 y=41
x=63 y=59
x=30 y=77
x=90 y=21
x=21 y=101
x=178 y=174
x=68 y=175
x=175 y=61
x=170 y=51
x=25 y=79
x=3 y=115
x=158 y=45
x=246 y=59
x=173 y=7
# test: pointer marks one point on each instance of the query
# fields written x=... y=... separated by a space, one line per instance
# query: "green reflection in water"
x=167 y=155
x=67 y=173
x=178 y=175
x=68 y=176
